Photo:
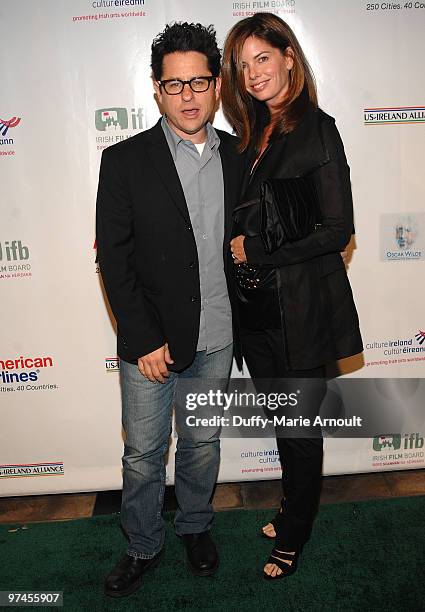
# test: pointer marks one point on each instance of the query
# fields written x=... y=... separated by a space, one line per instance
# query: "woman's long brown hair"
x=246 y=115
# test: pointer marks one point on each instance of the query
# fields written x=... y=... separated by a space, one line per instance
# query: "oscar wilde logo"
x=402 y=236
x=405 y=233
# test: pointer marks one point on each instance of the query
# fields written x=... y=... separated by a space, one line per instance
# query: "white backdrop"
x=64 y=64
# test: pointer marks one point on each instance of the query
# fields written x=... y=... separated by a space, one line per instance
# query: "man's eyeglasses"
x=173 y=87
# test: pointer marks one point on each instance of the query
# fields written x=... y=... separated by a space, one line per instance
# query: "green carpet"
x=363 y=556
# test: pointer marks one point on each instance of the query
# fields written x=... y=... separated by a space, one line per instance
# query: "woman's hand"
x=238 y=252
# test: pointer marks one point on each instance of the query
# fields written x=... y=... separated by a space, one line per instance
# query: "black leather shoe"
x=202 y=556
x=126 y=576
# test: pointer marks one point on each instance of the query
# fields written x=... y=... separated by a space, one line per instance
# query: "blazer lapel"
x=230 y=193
x=249 y=160
x=162 y=160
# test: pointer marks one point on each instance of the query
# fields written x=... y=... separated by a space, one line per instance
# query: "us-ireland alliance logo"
x=393 y=115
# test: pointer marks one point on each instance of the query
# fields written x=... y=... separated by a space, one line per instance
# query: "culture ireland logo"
x=396 y=350
x=5 y=138
x=420 y=337
x=6 y=124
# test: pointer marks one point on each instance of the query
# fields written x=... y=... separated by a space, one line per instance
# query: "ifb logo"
x=116 y=118
x=4 y=127
x=393 y=442
x=13 y=251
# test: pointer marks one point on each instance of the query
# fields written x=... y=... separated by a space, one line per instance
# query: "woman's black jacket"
x=318 y=314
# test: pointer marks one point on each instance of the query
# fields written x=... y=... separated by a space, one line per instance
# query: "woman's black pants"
x=301 y=457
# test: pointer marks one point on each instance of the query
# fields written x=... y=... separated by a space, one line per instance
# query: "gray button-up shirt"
x=201 y=177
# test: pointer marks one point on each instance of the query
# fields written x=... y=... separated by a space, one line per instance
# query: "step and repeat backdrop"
x=75 y=79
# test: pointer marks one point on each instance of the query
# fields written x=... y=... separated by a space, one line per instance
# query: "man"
x=164 y=214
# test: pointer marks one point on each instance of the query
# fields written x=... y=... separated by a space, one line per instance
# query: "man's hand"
x=238 y=252
x=153 y=366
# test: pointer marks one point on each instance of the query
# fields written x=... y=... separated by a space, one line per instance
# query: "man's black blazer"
x=146 y=246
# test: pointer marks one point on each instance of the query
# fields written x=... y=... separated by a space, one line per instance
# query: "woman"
x=295 y=307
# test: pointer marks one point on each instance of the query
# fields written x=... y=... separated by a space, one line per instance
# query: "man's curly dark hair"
x=185 y=37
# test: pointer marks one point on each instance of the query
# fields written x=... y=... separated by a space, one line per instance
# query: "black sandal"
x=277 y=557
x=275 y=522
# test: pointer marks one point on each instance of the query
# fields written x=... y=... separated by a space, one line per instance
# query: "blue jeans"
x=146 y=418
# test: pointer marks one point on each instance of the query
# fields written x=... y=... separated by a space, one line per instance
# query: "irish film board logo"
x=395 y=442
x=402 y=236
x=390 y=442
x=117 y=123
x=398 y=449
x=111 y=119
x=14 y=258
x=394 y=115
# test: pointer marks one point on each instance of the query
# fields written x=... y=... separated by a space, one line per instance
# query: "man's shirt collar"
x=174 y=140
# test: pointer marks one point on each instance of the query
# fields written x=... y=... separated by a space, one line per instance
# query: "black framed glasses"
x=173 y=87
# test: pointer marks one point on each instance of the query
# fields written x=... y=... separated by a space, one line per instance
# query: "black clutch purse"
x=289 y=210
